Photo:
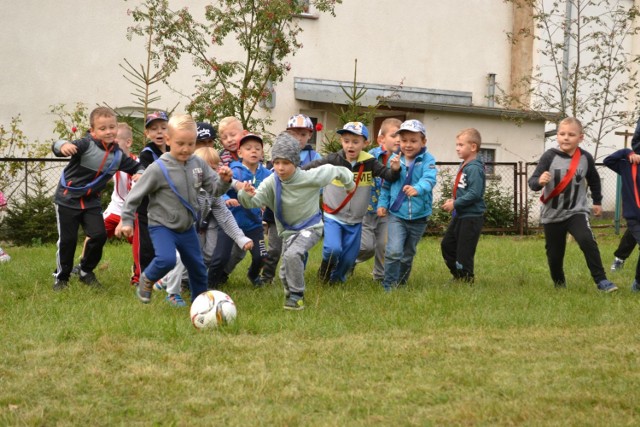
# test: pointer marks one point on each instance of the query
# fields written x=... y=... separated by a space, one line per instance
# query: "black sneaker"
x=257 y=282
x=60 y=285
x=90 y=279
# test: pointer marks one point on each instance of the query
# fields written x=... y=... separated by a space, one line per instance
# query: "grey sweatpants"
x=373 y=242
x=294 y=248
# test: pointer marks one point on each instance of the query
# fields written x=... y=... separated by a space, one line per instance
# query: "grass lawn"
x=508 y=350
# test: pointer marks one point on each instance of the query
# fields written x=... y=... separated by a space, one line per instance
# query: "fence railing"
x=22 y=175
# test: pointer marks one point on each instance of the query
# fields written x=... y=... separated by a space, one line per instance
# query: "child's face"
x=123 y=140
x=156 y=132
x=230 y=136
x=251 y=153
x=204 y=143
x=388 y=142
x=352 y=145
x=302 y=135
x=411 y=143
x=105 y=129
x=182 y=143
x=569 y=136
x=464 y=148
x=283 y=168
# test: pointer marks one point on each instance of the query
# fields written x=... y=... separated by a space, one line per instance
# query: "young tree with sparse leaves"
x=267 y=31
x=586 y=69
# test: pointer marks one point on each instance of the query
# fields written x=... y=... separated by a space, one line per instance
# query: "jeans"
x=402 y=241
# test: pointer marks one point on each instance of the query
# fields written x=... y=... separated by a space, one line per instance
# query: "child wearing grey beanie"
x=294 y=196
x=286 y=147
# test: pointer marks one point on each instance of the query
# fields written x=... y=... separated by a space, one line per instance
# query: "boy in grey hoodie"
x=172 y=184
x=293 y=195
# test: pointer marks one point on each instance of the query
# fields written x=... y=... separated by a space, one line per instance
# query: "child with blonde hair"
x=563 y=174
x=230 y=132
x=213 y=215
x=172 y=184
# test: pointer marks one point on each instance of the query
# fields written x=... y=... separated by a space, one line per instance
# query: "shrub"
x=31 y=220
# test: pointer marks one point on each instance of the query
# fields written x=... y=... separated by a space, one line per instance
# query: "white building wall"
x=68 y=52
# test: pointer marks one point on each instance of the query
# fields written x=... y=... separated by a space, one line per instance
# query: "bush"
x=500 y=210
x=31 y=220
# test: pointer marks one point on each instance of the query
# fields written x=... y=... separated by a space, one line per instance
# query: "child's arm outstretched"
x=228 y=223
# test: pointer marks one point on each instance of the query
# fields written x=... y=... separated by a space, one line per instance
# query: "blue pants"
x=402 y=240
x=340 y=248
x=165 y=243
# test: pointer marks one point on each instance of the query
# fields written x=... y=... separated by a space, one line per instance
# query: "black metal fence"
x=23 y=176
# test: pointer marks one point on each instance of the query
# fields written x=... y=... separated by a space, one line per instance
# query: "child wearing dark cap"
x=206 y=135
x=155 y=128
x=625 y=163
x=250 y=169
x=294 y=195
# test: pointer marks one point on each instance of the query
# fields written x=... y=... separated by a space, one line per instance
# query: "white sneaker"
x=4 y=257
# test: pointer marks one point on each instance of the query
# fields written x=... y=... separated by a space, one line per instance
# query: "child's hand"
x=68 y=149
x=247 y=187
x=410 y=191
x=395 y=163
x=448 y=205
x=597 y=210
x=248 y=246
x=634 y=158
x=126 y=231
x=136 y=177
x=225 y=173
x=232 y=203
x=382 y=212
x=544 y=178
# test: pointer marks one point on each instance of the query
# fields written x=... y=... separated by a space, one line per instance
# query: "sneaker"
x=144 y=289
x=294 y=304
x=160 y=286
x=60 y=285
x=635 y=287
x=266 y=280
x=90 y=279
x=4 y=257
x=606 y=286
x=257 y=282
x=76 y=270
x=175 y=300
x=617 y=264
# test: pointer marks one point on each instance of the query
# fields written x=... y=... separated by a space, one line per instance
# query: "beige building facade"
x=441 y=55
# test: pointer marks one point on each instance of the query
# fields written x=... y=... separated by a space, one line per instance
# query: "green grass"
x=508 y=350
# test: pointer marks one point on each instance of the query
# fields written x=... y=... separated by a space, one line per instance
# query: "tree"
x=266 y=30
x=585 y=69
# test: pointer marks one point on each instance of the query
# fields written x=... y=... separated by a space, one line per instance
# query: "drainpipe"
x=491 y=90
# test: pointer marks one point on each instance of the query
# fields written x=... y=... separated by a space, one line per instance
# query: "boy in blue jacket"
x=249 y=220
x=625 y=163
x=408 y=201
x=466 y=207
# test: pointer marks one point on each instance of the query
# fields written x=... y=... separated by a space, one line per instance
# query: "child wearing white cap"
x=407 y=201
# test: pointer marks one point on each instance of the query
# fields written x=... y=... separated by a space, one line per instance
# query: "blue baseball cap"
x=412 y=126
x=355 y=128
x=156 y=115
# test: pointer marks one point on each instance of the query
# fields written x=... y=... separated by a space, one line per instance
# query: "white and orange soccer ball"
x=212 y=309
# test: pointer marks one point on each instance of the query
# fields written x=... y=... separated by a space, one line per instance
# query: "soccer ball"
x=212 y=309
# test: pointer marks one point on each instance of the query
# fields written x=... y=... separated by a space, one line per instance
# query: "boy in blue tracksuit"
x=625 y=163
x=343 y=215
x=250 y=169
x=94 y=160
x=466 y=207
x=408 y=201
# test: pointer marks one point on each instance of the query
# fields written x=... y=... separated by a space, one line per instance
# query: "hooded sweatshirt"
x=165 y=208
